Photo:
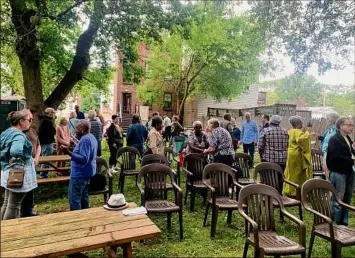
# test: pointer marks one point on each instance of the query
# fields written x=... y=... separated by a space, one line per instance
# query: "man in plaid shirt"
x=273 y=143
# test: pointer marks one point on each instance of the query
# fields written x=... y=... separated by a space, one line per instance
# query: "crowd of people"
x=81 y=138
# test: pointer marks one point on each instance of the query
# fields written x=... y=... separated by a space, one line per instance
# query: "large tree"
x=309 y=32
x=54 y=51
x=219 y=57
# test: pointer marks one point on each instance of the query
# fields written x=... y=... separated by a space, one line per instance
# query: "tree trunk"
x=81 y=59
x=32 y=85
x=28 y=54
x=181 y=110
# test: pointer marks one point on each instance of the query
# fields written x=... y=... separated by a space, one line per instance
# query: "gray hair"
x=15 y=117
x=332 y=117
x=341 y=120
x=196 y=123
x=50 y=112
x=295 y=121
x=213 y=123
x=85 y=124
x=91 y=114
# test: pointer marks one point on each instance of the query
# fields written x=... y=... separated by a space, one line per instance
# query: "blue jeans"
x=344 y=187
x=249 y=148
x=78 y=193
x=46 y=150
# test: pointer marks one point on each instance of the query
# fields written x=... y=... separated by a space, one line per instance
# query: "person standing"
x=100 y=117
x=155 y=139
x=167 y=128
x=220 y=143
x=249 y=135
x=137 y=134
x=83 y=166
x=340 y=162
x=96 y=130
x=73 y=121
x=299 y=160
x=115 y=141
x=273 y=143
x=28 y=202
x=149 y=123
x=46 y=135
x=176 y=127
x=16 y=152
x=264 y=122
x=62 y=138
x=79 y=114
x=228 y=125
x=331 y=119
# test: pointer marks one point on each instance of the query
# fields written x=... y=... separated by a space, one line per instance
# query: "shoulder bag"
x=16 y=175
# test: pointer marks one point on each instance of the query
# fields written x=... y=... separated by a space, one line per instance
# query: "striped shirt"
x=96 y=129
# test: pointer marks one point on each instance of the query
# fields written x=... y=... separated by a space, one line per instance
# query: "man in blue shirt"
x=83 y=166
x=137 y=134
x=249 y=135
x=79 y=114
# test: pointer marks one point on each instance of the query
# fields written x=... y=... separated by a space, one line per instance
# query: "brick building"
x=125 y=99
x=127 y=103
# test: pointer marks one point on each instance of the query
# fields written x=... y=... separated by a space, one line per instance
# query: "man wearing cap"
x=273 y=143
x=46 y=135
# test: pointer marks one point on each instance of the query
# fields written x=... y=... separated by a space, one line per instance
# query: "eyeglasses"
x=29 y=120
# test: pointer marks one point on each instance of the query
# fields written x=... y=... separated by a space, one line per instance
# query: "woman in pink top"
x=62 y=138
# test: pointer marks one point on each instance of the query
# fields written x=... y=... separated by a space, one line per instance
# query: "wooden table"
x=53 y=158
x=52 y=161
x=73 y=232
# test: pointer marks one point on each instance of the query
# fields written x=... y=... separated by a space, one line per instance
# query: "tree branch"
x=197 y=73
x=59 y=16
x=81 y=59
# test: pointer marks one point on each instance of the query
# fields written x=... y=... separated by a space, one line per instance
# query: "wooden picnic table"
x=53 y=158
x=52 y=162
x=72 y=232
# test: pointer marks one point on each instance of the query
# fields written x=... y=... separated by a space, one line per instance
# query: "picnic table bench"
x=51 y=161
x=69 y=233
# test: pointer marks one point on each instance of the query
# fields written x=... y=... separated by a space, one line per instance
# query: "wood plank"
x=74 y=234
x=53 y=158
x=51 y=169
x=67 y=216
x=86 y=243
x=53 y=180
x=45 y=229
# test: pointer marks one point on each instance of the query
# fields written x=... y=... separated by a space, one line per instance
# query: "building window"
x=168 y=101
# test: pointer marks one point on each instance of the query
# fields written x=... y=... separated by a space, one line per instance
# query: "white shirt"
x=167 y=122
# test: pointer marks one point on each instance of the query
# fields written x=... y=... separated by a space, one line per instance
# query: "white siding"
x=247 y=99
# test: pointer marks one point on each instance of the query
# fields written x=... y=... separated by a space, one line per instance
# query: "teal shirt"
x=15 y=144
x=329 y=134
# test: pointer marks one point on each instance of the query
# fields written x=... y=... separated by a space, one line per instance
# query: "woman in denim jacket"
x=15 y=146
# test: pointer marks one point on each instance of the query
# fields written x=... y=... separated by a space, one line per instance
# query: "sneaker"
x=112 y=171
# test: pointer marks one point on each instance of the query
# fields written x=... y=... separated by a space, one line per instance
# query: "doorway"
x=126 y=102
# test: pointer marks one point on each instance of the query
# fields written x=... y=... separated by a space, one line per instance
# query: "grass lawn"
x=229 y=240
